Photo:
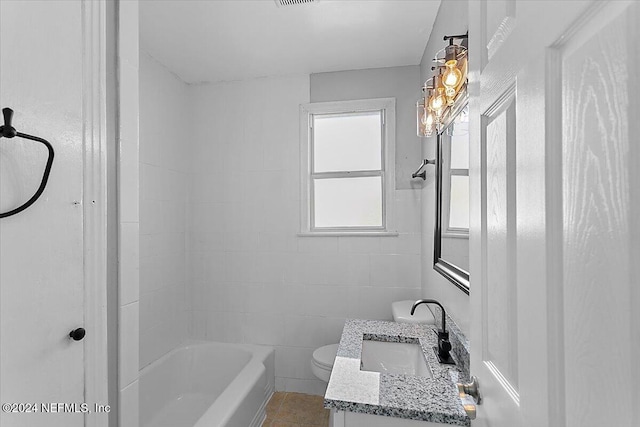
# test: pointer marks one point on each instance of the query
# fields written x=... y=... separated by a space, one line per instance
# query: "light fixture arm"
x=459 y=36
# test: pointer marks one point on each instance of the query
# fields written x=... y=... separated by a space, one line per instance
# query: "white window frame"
x=448 y=172
x=387 y=106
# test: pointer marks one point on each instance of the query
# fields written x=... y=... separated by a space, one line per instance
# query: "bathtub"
x=207 y=384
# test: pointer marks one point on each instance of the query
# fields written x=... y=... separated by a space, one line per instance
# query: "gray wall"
x=452 y=18
x=402 y=83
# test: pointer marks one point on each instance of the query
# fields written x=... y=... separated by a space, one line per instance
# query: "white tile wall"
x=251 y=279
x=129 y=405
x=128 y=215
x=129 y=262
x=164 y=151
x=129 y=343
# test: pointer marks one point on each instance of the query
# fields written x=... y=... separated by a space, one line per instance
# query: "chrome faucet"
x=444 y=345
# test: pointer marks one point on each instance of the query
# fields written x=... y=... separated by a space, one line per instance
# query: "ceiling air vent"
x=283 y=3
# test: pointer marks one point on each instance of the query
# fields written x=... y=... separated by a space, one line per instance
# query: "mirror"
x=451 y=244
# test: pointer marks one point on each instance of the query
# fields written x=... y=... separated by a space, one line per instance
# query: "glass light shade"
x=430 y=123
x=462 y=67
x=438 y=100
x=451 y=53
x=425 y=119
x=452 y=77
x=420 y=122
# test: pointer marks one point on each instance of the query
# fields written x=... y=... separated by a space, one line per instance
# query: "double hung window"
x=347 y=169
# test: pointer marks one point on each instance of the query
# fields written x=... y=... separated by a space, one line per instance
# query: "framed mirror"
x=451 y=242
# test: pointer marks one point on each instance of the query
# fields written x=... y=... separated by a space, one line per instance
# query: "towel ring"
x=8 y=131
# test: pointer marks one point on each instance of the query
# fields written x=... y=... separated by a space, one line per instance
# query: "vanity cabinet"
x=352 y=419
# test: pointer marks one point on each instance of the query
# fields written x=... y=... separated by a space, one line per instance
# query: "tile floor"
x=296 y=410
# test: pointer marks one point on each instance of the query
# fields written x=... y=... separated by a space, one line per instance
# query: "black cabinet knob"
x=77 y=334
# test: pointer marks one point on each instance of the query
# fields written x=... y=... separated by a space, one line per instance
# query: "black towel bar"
x=421 y=172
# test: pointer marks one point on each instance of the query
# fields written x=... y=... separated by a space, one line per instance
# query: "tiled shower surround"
x=164 y=161
x=249 y=277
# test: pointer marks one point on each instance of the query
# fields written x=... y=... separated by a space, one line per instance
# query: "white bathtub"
x=207 y=384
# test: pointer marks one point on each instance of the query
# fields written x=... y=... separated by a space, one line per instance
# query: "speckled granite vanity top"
x=418 y=398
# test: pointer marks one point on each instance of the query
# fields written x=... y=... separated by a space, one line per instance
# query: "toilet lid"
x=324 y=356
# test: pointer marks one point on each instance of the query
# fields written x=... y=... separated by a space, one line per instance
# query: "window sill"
x=348 y=234
x=456 y=235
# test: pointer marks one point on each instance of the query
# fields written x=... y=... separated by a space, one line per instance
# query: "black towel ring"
x=9 y=131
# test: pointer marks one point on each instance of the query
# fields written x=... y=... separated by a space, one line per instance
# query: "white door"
x=555 y=213
x=42 y=292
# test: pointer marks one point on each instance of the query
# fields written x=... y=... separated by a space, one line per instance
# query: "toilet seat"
x=322 y=361
x=325 y=356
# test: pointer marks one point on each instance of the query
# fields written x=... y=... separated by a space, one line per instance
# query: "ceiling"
x=216 y=40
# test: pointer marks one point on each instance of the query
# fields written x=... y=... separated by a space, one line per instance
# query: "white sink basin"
x=394 y=358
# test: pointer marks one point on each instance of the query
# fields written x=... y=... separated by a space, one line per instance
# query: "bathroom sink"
x=394 y=358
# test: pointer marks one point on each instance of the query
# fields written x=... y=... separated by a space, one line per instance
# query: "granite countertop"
x=418 y=398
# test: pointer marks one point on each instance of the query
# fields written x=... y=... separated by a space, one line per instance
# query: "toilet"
x=323 y=357
x=322 y=361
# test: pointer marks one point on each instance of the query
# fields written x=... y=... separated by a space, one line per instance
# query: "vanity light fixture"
x=441 y=91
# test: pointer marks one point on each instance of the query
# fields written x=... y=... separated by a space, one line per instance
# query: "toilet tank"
x=402 y=313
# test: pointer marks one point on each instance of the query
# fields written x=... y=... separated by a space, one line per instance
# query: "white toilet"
x=323 y=357
x=322 y=361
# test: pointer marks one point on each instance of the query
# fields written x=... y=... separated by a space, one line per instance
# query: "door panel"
x=498 y=365
x=596 y=222
x=501 y=345
x=553 y=208
x=41 y=249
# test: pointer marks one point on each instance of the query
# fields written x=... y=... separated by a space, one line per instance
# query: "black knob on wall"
x=77 y=334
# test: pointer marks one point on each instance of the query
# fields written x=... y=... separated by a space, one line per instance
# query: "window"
x=455 y=195
x=347 y=158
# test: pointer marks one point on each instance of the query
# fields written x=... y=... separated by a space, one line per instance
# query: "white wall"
x=451 y=19
x=128 y=215
x=165 y=144
x=251 y=278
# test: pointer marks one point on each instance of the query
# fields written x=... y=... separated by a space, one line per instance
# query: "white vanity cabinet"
x=353 y=419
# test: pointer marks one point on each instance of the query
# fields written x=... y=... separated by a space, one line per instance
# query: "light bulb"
x=421 y=117
x=429 y=123
x=429 y=120
x=452 y=76
x=437 y=101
